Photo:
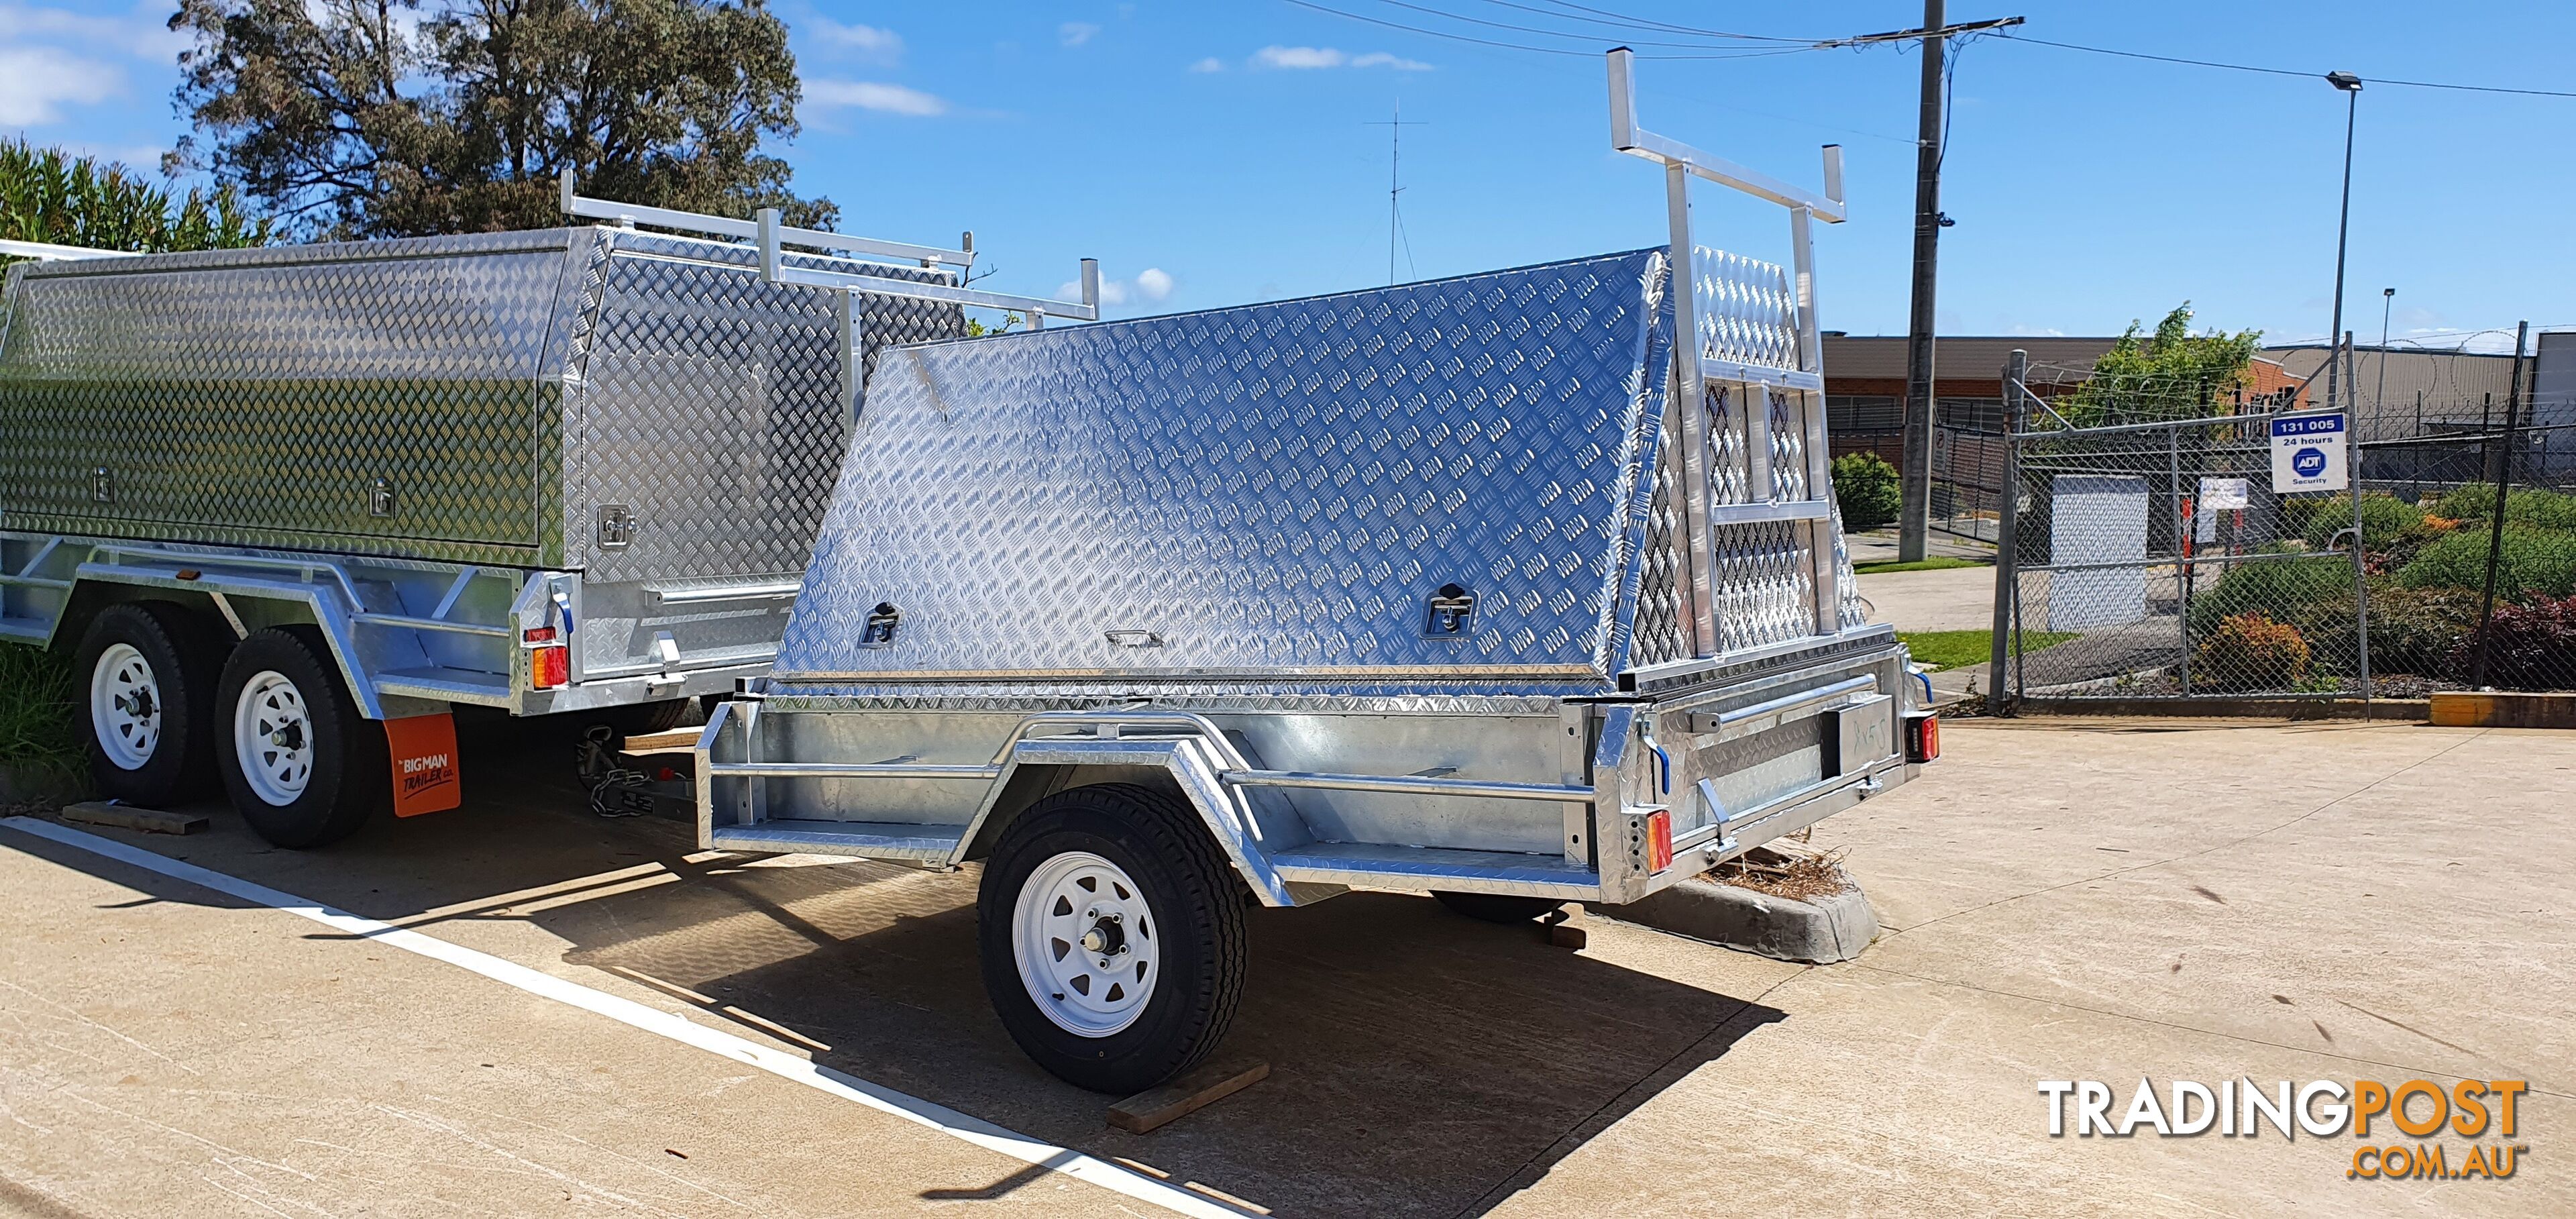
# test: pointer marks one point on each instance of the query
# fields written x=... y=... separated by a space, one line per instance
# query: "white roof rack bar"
x=1038 y=309
x=816 y=239
x=48 y=251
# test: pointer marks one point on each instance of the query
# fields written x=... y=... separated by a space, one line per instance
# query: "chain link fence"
x=2148 y=555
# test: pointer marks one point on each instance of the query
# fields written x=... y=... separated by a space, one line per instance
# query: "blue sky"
x=1216 y=152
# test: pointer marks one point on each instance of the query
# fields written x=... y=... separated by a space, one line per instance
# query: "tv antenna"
x=1395 y=188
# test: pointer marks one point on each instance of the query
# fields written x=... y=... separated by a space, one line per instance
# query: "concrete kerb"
x=1819 y=932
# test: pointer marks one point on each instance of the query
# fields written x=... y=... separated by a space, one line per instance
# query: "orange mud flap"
x=426 y=776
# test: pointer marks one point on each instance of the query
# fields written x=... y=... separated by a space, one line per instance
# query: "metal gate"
x=2146 y=557
x=2153 y=559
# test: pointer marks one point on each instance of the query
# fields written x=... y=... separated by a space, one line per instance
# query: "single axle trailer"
x=291 y=507
x=1517 y=588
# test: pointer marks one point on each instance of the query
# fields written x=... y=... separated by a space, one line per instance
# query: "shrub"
x=2383 y=518
x=2525 y=506
x=2278 y=588
x=2535 y=563
x=36 y=692
x=2416 y=631
x=1868 y=490
x=2529 y=647
x=2252 y=652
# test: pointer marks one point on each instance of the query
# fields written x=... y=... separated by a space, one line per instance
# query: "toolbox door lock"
x=878 y=632
x=1449 y=613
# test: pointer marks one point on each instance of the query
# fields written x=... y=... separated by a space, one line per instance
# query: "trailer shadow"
x=1421 y=1063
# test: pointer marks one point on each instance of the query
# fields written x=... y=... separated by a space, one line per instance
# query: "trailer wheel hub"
x=1084 y=942
x=271 y=740
x=125 y=706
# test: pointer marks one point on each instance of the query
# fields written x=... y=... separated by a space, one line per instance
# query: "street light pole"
x=2351 y=85
x=2387 y=302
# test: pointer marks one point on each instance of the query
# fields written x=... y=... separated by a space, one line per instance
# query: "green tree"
x=380 y=118
x=2170 y=374
x=51 y=196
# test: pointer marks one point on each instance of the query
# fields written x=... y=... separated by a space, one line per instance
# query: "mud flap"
x=426 y=776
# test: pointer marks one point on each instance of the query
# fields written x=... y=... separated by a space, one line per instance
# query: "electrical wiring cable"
x=2238 y=67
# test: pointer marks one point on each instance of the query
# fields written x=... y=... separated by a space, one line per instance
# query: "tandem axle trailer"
x=291 y=507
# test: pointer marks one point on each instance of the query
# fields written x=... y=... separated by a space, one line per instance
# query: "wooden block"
x=1566 y=936
x=1156 y=1107
x=128 y=817
x=657 y=742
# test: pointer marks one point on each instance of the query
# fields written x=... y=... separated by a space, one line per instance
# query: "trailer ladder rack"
x=1703 y=346
x=775 y=240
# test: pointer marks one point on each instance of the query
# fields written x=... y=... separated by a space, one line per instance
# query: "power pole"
x=1928 y=222
x=1915 y=508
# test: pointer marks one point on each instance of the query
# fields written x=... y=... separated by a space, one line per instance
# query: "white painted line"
x=885 y=1100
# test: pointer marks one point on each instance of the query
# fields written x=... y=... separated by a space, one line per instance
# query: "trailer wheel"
x=302 y=766
x=644 y=719
x=1497 y=907
x=1112 y=936
x=150 y=719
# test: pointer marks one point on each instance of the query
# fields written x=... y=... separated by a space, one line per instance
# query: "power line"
x=2238 y=67
x=1522 y=46
x=1531 y=29
x=1641 y=23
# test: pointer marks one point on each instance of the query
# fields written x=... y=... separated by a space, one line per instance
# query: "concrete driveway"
x=2065 y=902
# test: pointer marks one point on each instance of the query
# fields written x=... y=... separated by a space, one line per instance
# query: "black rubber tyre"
x=1497 y=907
x=183 y=654
x=348 y=782
x=644 y=719
x=1195 y=900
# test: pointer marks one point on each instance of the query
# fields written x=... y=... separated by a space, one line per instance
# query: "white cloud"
x=1209 y=64
x=1150 y=284
x=144 y=33
x=873 y=95
x=35 y=83
x=865 y=40
x=1298 y=57
x=1329 y=57
x=1076 y=33
x=145 y=158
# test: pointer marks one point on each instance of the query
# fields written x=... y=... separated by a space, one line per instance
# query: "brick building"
x=1865 y=382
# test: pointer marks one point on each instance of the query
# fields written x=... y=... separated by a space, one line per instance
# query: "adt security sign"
x=2308 y=453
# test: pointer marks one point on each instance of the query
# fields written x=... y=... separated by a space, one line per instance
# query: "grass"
x=36 y=690
x=1958 y=649
x=1935 y=563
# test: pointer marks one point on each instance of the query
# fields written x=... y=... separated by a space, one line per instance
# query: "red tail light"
x=549 y=667
x=1659 y=841
x=1922 y=738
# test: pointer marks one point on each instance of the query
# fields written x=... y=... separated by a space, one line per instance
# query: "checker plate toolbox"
x=1469 y=585
x=425 y=445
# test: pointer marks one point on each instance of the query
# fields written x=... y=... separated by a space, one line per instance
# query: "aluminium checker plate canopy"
x=1276 y=493
x=483 y=398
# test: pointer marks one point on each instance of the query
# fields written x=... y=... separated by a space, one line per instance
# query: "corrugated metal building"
x=2452 y=387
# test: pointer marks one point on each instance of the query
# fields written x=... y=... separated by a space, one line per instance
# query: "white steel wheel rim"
x=125 y=706
x=273 y=738
x=1068 y=898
